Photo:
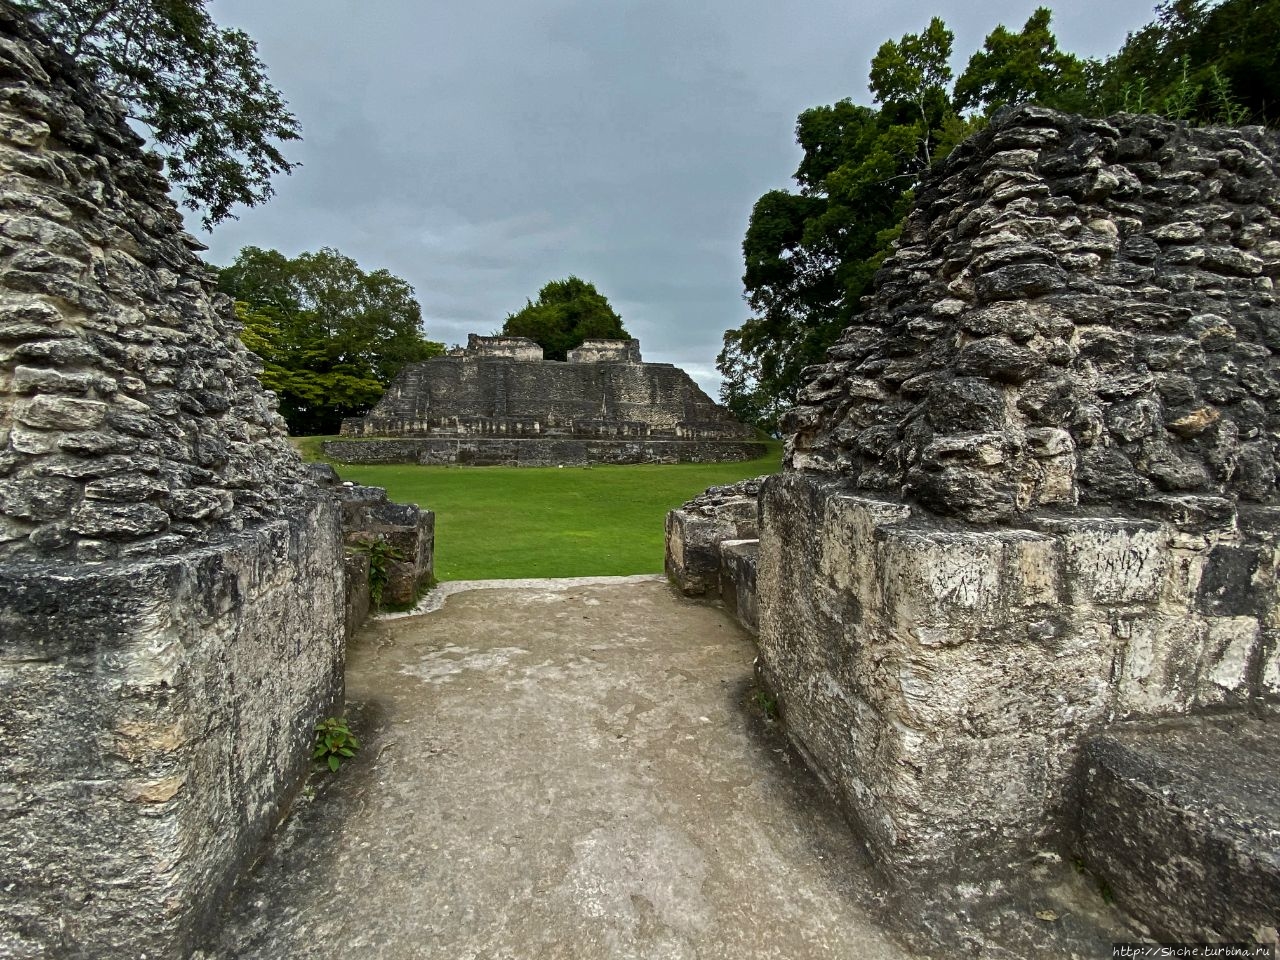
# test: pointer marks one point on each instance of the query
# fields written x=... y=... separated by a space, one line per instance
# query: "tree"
x=1022 y=67
x=1199 y=61
x=566 y=313
x=740 y=390
x=200 y=89
x=811 y=256
x=914 y=72
x=330 y=335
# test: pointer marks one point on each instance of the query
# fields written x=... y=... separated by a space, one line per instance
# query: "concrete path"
x=561 y=769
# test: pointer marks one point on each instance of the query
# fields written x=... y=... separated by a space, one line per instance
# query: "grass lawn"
x=506 y=522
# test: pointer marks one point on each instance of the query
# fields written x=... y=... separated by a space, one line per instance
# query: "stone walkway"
x=561 y=769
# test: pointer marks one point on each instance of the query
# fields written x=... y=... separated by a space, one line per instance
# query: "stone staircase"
x=1181 y=820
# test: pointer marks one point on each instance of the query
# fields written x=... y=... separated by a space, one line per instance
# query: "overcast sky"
x=479 y=148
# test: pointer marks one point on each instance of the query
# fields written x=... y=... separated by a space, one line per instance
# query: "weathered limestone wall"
x=534 y=452
x=157 y=715
x=1078 y=312
x=941 y=678
x=131 y=422
x=1033 y=489
x=513 y=348
x=606 y=351
x=171 y=596
x=493 y=405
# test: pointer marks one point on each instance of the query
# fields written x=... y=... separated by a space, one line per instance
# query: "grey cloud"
x=481 y=149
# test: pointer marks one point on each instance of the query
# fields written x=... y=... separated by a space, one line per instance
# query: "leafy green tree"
x=811 y=256
x=740 y=390
x=330 y=335
x=199 y=89
x=1200 y=61
x=566 y=313
x=914 y=73
x=1023 y=67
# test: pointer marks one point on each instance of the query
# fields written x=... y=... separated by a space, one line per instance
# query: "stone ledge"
x=1182 y=820
x=548 y=452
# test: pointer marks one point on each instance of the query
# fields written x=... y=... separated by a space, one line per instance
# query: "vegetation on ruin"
x=566 y=313
x=334 y=743
x=331 y=336
x=510 y=522
x=765 y=703
x=811 y=254
x=199 y=89
x=381 y=555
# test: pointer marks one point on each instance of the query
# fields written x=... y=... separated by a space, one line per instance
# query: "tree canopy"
x=1200 y=61
x=200 y=89
x=1026 y=66
x=330 y=335
x=566 y=313
x=811 y=253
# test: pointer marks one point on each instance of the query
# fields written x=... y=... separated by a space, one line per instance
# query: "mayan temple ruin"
x=174 y=596
x=498 y=402
x=1017 y=588
x=991 y=667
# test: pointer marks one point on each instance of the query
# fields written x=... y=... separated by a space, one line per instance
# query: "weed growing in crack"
x=334 y=742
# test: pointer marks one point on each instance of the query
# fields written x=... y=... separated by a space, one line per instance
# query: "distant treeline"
x=811 y=254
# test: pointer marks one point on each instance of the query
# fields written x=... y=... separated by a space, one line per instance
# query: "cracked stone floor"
x=580 y=769
x=551 y=769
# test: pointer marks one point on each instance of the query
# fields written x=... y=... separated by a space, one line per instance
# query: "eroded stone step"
x=1181 y=818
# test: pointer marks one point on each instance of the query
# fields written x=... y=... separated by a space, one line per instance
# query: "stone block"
x=1109 y=562
x=693 y=550
x=356 y=594
x=368 y=517
x=158 y=717
x=60 y=413
x=695 y=532
x=1231 y=645
x=1269 y=680
x=1179 y=818
x=1159 y=664
x=738 y=581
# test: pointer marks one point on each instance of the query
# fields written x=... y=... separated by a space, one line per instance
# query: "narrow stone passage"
x=560 y=769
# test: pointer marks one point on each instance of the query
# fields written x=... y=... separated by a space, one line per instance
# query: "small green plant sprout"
x=334 y=742
x=1135 y=96
x=768 y=706
x=381 y=555
x=1180 y=102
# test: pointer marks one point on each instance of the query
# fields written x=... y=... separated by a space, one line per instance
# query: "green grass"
x=506 y=522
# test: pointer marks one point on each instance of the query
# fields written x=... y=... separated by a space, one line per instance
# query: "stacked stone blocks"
x=711 y=546
x=171 y=621
x=944 y=679
x=1079 y=311
x=1032 y=492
